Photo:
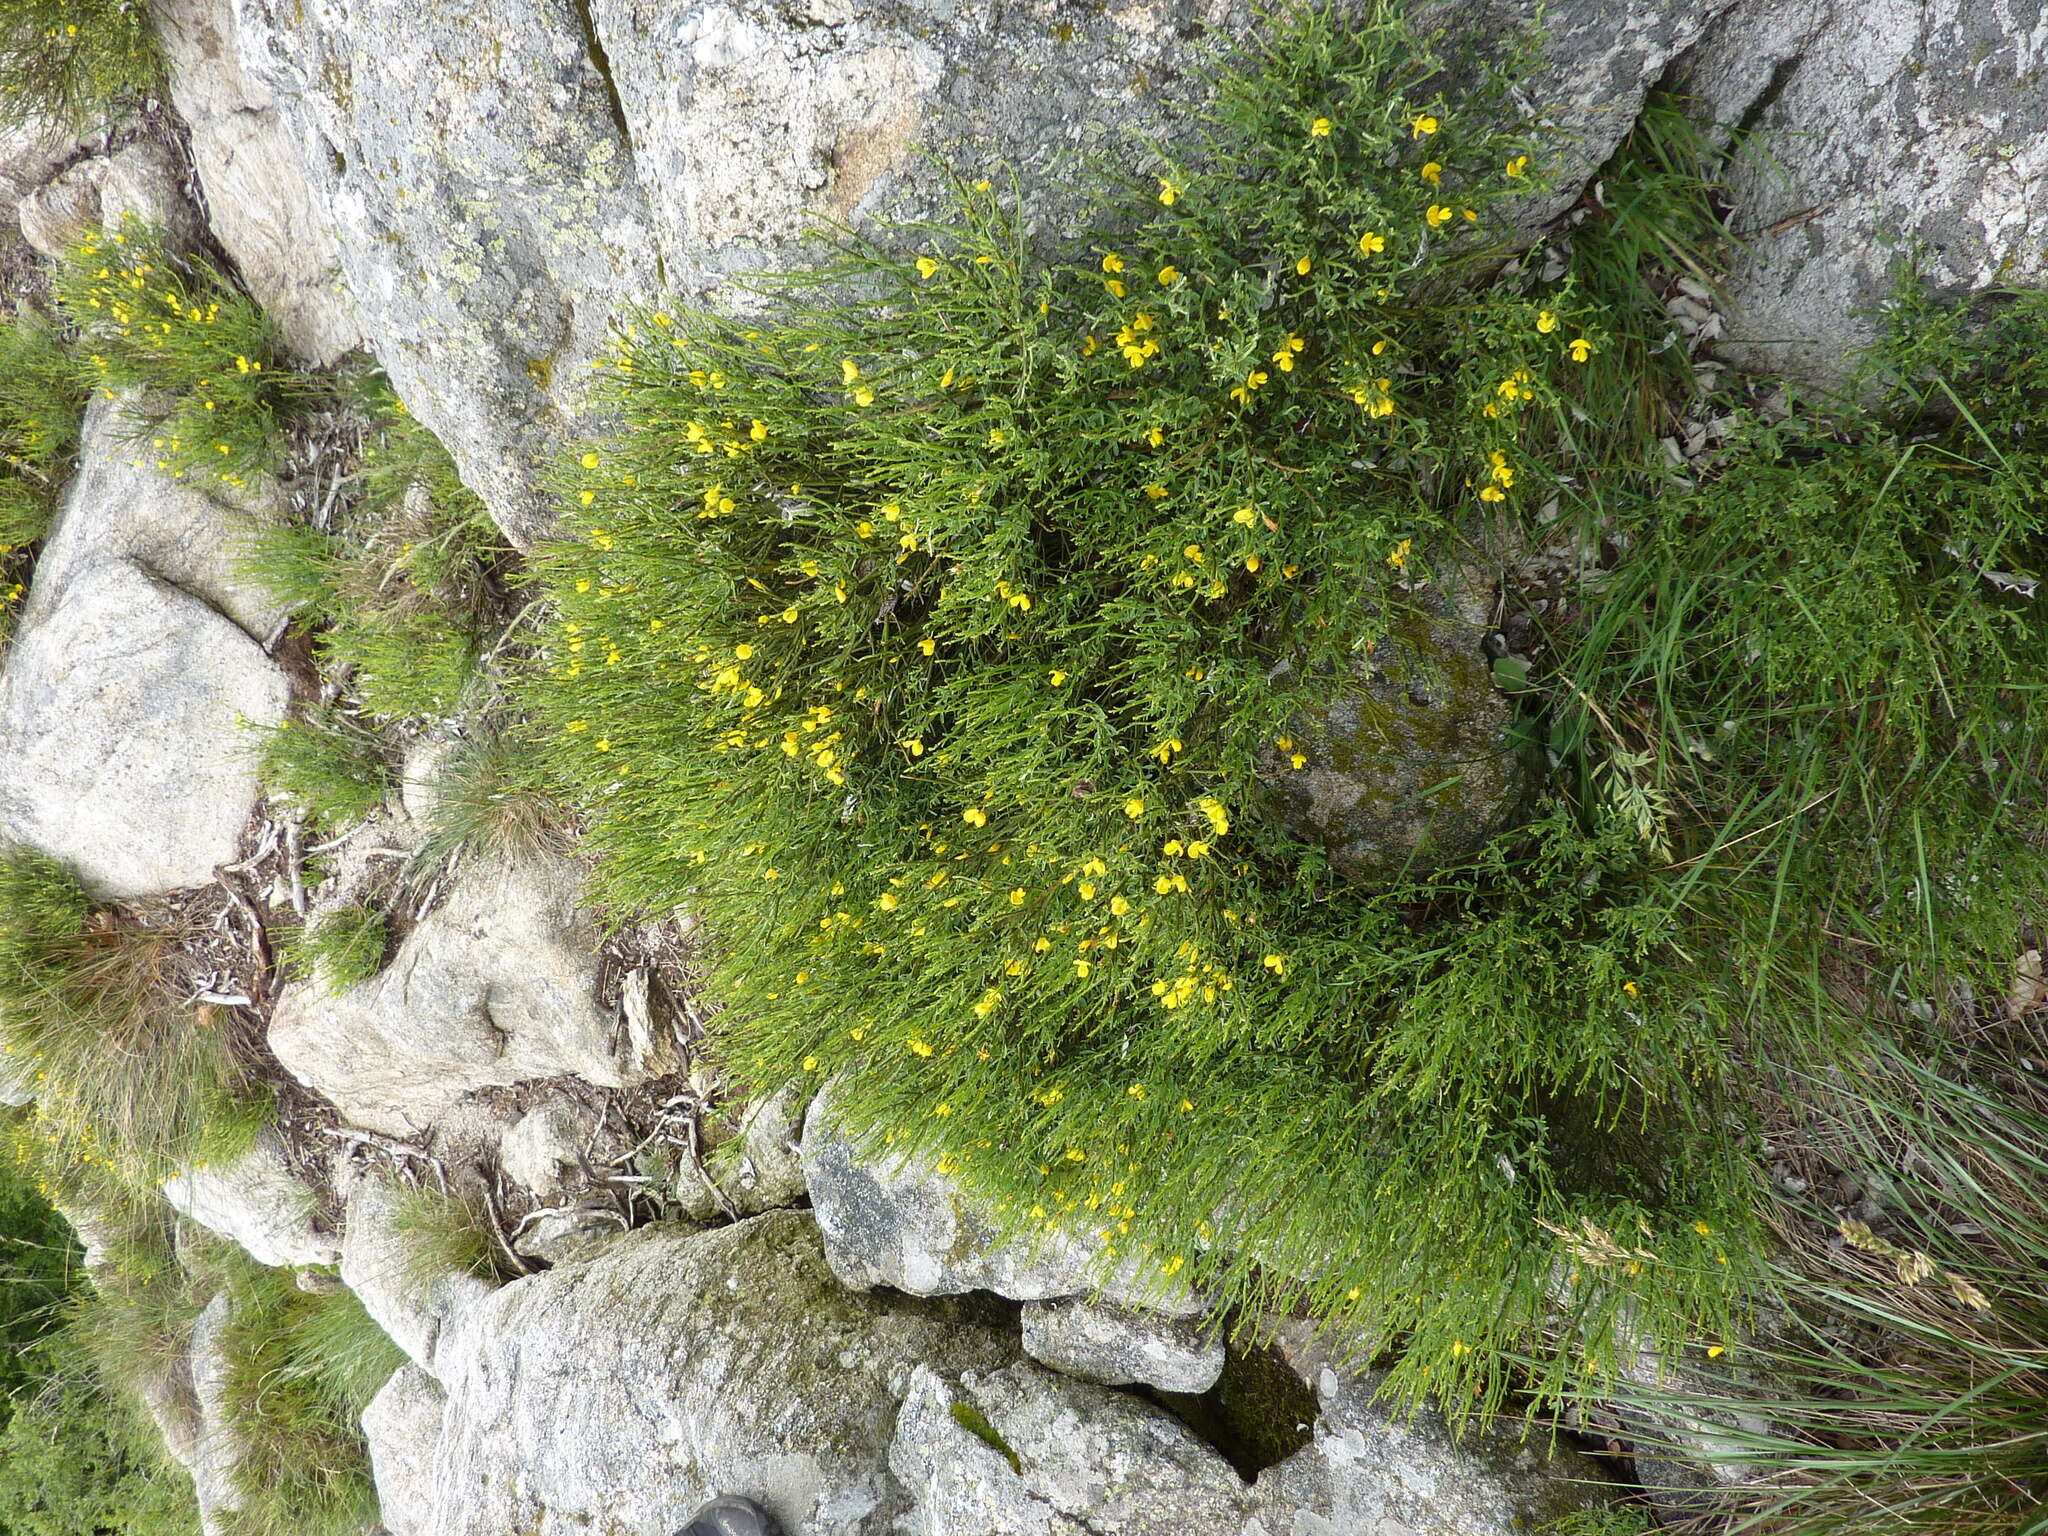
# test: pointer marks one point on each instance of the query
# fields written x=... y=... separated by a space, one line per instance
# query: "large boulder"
x=402 y=1276
x=263 y=213
x=1118 y=1348
x=1877 y=128
x=496 y=986
x=402 y=1426
x=1408 y=762
x=620 y=1393
x=136 y=663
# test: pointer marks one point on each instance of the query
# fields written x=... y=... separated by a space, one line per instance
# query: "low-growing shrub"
x=327 y=766
x=74 y=62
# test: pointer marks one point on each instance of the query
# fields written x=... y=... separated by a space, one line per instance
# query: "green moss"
x=976 y=1423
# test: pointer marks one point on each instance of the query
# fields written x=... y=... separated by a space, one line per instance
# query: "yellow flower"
x=1546 y=322
x=1716 y=1351
x=1397 y=557
x=1580 y=349
x=1116 y=287
x=863 y=396
x=1168 y=192
x=1245 y=516
x=1119 y=906
x=1437 y=216
x=1703 y=1229
x=1492 y=493
x=1134 y=807
x=1277 y=964
x=1017 y=897
x=590 y=461
x=888 y=901
x=1058 y=677
x=1629 y=987
x=1081 y=968
x=974 y=816
x=928 y=645
x=926 y=266
x=1517 y=166
x=1423 y=123
x=1303 y=266
x=1370 y=244
x=1168 y=276
x=919 y=1048
x=1112 y=263
x=1432 y=172
x=1319 y=129
x=849 y=370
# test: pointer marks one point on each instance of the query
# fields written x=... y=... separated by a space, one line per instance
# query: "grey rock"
x=1408 y=761
x=133 y=669
x=222 y=1445
x=548 y=1142
x=622 y=1392
x=31 y=152
x=495 y=986
x=63 y=210
x=1114 y=1347
x=766 y=1169
x=1882 y=124
x=256 y=1201
x=266 y=217
x=402 y=1425
x=399 y=1276
x=145 y=183
x=895 y=1220
x=565 y=1236
x=483 y=196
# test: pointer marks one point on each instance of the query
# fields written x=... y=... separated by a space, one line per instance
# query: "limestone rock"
x=620 y=1393
x=1118 y=1348
x=402 y=1425
x=400 y=1280
x=264 y=214
x=1884 y=123
x=1408 y=762
x=483 y=195
x=496 y=986
x=131 y=671
x=256 y=1201
x=895 y=1220
x=768 y=1169
x=549 y=1141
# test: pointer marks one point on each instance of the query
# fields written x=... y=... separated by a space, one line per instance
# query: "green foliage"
x=344 y=947
x=38 y=1266
x=300 y=1369
x=445 y=1231
x=1906 y=1376
x=401 y=664
x=126 y=1075
x=936 y=643
x=221 y=384
x=41 y=402
x=490 y=797
x=75 y=62
x=326 y=765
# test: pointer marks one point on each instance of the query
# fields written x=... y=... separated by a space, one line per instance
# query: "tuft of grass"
x=490 y=798
x=75 y=62
x=447 y=1232
x=401 y=665
x=343 y=948
x=41 y=403
x=126 y=1075
x=219 y=383
x=327 y=766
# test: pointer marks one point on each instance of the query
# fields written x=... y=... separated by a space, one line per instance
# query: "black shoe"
x=731 y=1516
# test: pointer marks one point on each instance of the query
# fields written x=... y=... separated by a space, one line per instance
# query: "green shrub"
x=126 y=1075
x=75 y=62
x=327 y=766
x=401 y=664
x=343 y=948
x=220 y=383
x=928 y=643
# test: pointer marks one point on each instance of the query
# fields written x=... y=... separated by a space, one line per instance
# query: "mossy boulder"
x=1408 y=761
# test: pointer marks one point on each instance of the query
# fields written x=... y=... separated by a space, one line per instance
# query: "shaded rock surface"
x=256 y=1201
x=403 y=1282
x=403 y=1425
x=1407 y=764
x=1117 y=1348
x=897 y=1221
x=131 y=672
x=496 y=986
x=622 y=1392
x=766 y=1167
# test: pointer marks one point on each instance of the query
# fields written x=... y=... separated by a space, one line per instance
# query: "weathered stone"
x=399 y=1276
x=265 y=216
x=895 y=1220
x=31 y=152
x=1114 y=1347
x=766 y=1169
x=1877 y=126
x=144 y=182
x=129 y=677
x=222 y=1445
x=64 y=209
x=495 y=986
x=563 y=1237
x=256 y=1201
x=483 y=196
x=402 y=1425
x=620 y=1393
x=1407 y=762
x=549 y=1141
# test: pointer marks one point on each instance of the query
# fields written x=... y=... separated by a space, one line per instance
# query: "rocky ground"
x=709 y=1297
